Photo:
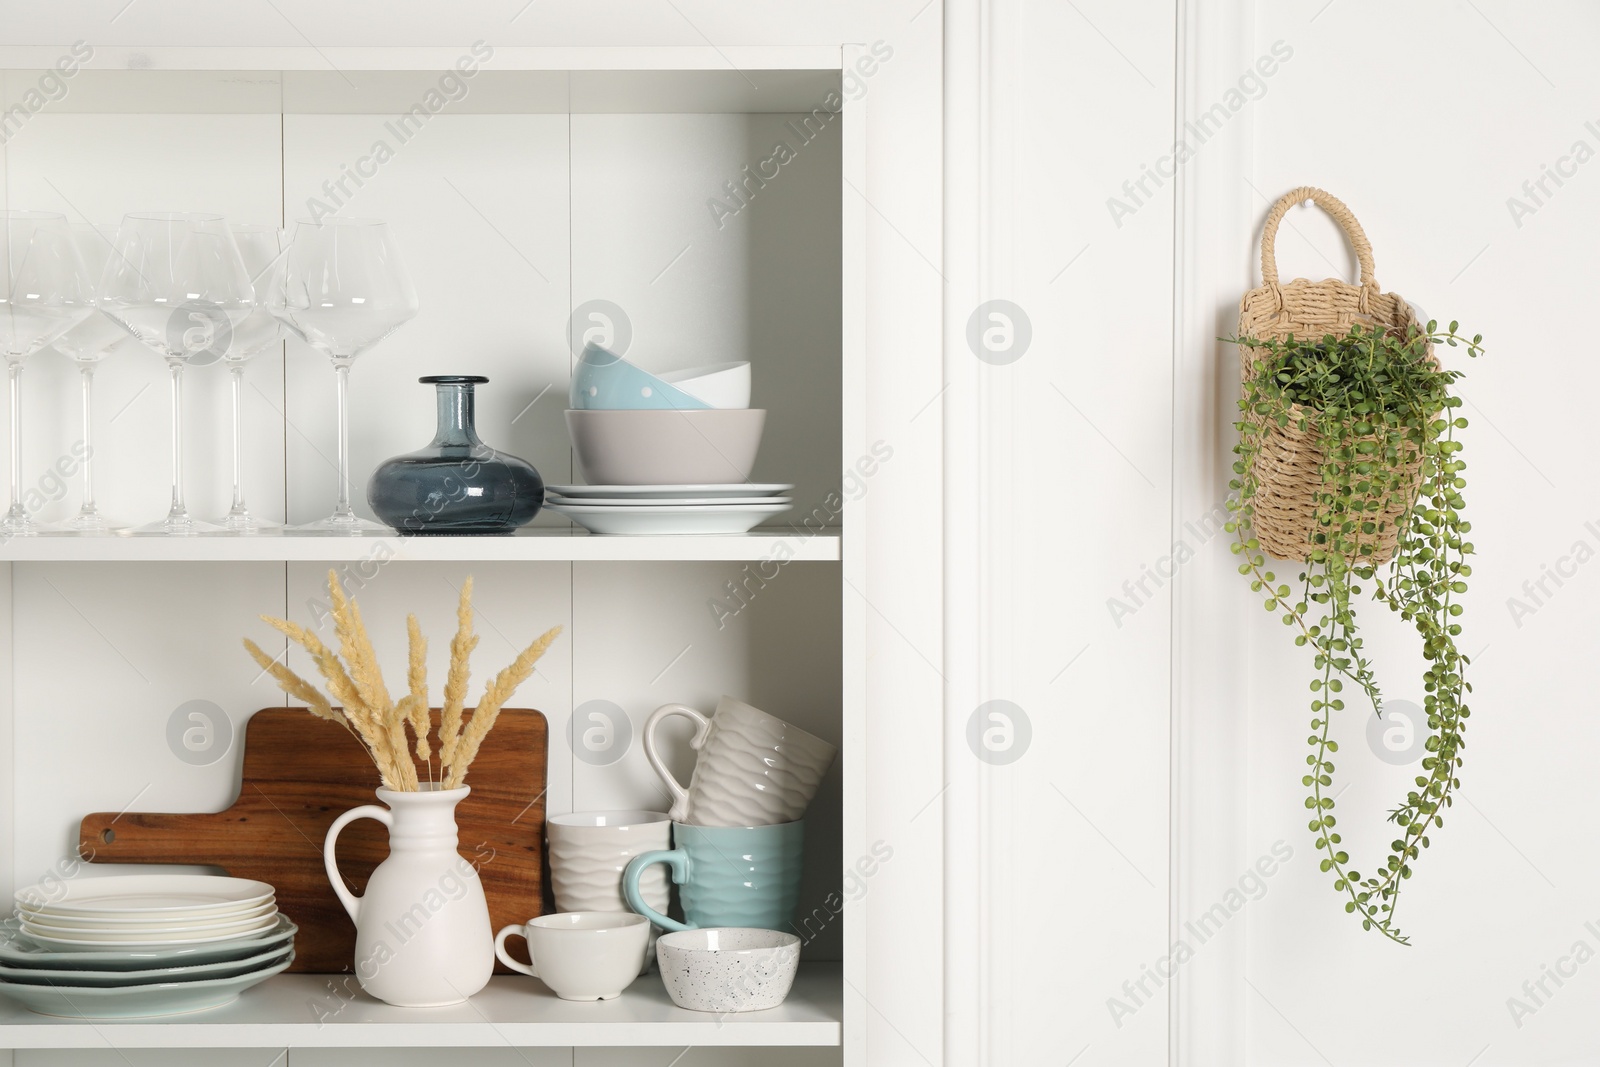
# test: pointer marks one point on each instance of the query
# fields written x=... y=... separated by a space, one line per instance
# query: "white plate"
x=19 y=950
x=143 y=932
x=178 y=895
x=671 y=492
x=84 y=943
x=669 y=519
x=143 y=920
x=192 y=972
x=140 y=1001
x=677 y=502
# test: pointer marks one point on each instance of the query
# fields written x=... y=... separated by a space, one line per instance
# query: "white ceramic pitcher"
x=423 y=937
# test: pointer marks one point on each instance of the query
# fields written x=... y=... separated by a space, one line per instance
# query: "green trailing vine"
x=1374 y=403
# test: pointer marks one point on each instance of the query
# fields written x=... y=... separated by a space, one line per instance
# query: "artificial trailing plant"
x=1379 y=409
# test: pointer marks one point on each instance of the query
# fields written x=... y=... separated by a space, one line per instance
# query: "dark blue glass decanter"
x=457 y=484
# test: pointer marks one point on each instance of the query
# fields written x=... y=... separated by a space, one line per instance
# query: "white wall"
x=1455 y=104
x=1424 y=118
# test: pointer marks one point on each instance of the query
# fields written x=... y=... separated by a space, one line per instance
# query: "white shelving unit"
x=565 y=175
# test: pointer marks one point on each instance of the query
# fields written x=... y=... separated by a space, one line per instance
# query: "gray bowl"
x=717 y=445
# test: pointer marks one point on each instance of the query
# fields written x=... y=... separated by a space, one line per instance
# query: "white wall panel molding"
x=1056 y=449
x=1211 y=270
x=965 y=858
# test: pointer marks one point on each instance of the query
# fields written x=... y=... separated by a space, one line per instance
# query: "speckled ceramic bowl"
x=728 y=968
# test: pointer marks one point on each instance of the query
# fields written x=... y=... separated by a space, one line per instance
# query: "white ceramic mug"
x=754 y=769
x=590 y=849
x=581 y=955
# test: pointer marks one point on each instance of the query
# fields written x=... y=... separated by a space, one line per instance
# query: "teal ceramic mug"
x=726 y=875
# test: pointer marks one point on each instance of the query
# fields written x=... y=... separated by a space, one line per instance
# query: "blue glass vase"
x=457 y=484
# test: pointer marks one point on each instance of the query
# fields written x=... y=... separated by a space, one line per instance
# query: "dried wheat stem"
x=370 y=680
x=296 y=686
x=339 y=682
x=417 y=682
x=394 y=726
x=362 y=660
x=488 y=710
x=367 y=723
x=378 y=721
x=455 y=685
x=357 y=648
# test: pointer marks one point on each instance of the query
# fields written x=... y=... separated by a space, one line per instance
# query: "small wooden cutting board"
x=300 y=774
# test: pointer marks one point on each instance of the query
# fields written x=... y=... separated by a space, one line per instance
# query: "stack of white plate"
x=724 y=508
x=137 y=945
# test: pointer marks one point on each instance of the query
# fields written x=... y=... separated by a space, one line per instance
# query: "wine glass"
x=86 y=344
x=344 y=290
x=262 y=248
x=177 y=283
x=44 y=292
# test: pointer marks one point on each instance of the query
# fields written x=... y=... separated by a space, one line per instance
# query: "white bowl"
x=722 y=385
x=666 y=447
x=728 y=968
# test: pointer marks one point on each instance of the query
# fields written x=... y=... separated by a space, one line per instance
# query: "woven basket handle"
x=1334 y=207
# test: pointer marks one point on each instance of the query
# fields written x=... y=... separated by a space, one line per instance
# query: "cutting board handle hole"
x=108 y=835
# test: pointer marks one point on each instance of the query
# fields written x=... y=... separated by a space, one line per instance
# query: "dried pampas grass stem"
x=379 y=721
x=494 y=698
x=417 y=697
x=455 y=683
x=296 y=686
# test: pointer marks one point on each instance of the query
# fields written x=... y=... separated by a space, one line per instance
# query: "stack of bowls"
x=131 y=946
x=669 y=453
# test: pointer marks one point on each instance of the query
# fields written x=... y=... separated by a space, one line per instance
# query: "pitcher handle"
x=351 y=902
x=680 y=795
x=677 y=860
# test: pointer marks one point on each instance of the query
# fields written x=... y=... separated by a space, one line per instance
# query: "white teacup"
x=581 y=955
x=754 y=769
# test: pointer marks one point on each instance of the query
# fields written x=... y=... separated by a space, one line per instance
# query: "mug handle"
x=351 y=902
x=680 y=796
x=514 y=930
x=677 y=860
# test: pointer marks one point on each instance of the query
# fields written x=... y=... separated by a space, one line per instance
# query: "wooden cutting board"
x=300 y=774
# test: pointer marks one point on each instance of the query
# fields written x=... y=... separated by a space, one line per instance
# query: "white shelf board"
x=314 y=1011
x=492 y=90
x=436 y=58
x=537 y=544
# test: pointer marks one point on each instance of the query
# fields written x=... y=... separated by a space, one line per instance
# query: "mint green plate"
x=188 y=972
x=139 y=1001
x=19 y=950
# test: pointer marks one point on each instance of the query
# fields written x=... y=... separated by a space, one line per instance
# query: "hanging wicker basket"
x=1288 y=468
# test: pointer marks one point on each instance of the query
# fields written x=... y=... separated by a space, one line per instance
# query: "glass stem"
x=238 y=437
x=342 y=373
x=178 y=509
x=88 y=440
x=16 y=438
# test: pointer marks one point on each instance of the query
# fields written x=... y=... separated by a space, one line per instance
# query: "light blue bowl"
x=604 y=381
